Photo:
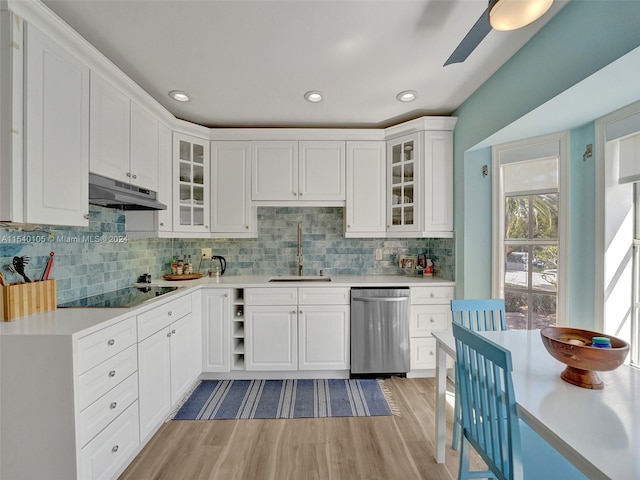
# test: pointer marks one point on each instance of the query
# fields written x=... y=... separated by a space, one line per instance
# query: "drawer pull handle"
x=432 y=295
x=114 y=449
x=113 y=405
x=112 y=373
x=431 y=320
x=169 y=313
x=111 y=342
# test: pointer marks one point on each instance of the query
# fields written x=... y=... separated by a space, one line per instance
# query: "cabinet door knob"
x=115 y=448
x=169 y=313
x=134 y=176
x=129 y=174
x=300 y=312
x=295 y=194
x=86 y=216
x=111 y=342
x=247 y=227
x=173 y=332
x=168 y=334
x=113 y=405
x=112 y=373
x=300 y=194
x=293 y=313
x=431 y=320
x=226 y=295
x=162 y=224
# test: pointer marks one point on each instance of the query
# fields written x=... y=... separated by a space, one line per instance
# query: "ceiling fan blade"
x=473 y=38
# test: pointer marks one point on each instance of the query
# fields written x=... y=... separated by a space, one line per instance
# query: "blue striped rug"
x=243 y=399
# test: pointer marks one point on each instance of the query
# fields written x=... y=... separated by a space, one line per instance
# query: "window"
x=527 y=231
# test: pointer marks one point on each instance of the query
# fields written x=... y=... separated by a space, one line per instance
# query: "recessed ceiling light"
x=313 y=96
x=407 y=96
x=179 y=95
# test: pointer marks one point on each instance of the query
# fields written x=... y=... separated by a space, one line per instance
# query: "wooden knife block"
x=21 y=299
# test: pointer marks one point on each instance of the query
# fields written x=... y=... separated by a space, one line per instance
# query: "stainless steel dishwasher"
x=379 y=331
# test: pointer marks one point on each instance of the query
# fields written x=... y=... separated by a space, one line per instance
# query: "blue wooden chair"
x=490 y=423
x=477 y=315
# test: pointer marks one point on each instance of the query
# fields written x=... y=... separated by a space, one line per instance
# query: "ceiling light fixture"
x=314 y=96
x=179 y=96
x=407 y=96
x=507 y=15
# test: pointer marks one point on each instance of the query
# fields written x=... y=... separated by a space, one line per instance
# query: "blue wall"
x=101 y=258
x=582 y=38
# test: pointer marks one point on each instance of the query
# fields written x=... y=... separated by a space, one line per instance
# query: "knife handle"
x=49 y=265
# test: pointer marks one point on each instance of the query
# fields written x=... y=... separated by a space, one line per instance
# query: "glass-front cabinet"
x=403 y=200
x=191 y=183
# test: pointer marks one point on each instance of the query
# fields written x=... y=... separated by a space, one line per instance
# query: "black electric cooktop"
x=124 y=298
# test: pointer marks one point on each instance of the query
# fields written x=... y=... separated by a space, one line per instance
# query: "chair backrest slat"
x=489 y=417
x=480 y=315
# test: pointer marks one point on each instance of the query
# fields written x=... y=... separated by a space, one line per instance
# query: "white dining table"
x=596 y=430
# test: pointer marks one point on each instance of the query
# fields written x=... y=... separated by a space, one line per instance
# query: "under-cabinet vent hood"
x=115 y=194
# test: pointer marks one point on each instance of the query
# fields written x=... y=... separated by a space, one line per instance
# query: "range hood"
x=106 y=192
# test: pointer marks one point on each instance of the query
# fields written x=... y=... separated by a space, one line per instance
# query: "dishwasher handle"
x=380 y=299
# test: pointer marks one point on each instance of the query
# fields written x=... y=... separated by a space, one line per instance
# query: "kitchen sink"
x=296 y=278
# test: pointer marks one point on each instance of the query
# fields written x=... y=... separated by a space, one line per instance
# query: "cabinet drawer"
x=324 y=296
x=99 y=380
x=423 y=353
x=271 y=296
x=107 y=408
x=429 y=318
x=99 y=346
x=431 y=295
x=158 y=318
x=106 y=454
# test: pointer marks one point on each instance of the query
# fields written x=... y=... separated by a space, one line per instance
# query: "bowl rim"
x=583 y=332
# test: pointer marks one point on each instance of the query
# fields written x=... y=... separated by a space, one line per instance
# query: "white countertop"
x=83 y=321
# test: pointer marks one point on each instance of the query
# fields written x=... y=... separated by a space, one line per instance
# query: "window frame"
x=522 y=150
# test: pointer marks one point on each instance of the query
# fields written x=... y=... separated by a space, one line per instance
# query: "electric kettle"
x=218 y=266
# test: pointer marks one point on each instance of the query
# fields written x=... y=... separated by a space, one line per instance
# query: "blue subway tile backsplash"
x=101 y=257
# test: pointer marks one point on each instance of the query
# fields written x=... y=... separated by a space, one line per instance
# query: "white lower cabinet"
x=297 y=328
x=154 y=367
x=102 y=458
x=323 y=337
x=430 y=312
x=166 y=361
x=69 y=402
x=216 y=318
x=271 y=338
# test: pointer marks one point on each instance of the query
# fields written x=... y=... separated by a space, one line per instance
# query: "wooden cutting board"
x=190 y=276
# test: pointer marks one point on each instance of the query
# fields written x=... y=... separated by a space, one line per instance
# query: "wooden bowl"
x=572 y=346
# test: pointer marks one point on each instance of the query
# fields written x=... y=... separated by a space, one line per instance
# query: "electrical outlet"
x=378 y=254
x=206 y=253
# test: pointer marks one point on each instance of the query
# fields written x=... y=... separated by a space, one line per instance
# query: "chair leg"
x=463 y=472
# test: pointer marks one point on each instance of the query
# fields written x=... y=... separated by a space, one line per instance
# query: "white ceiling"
x=249 y=63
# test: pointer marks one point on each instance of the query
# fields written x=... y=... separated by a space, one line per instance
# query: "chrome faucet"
x=300 y=260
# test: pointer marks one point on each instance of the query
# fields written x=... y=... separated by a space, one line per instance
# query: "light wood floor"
x=384 y=448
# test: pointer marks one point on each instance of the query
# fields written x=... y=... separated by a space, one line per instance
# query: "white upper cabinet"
x=231 y=210
x=56 y=151
x=420 y=180
x=274 y=166
x=438 y=176
x=143 y=149
x=404 y=205
x=321 y=171
x=365 y=214
x=124 y=137
x=191 y=184
x=284 y=172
